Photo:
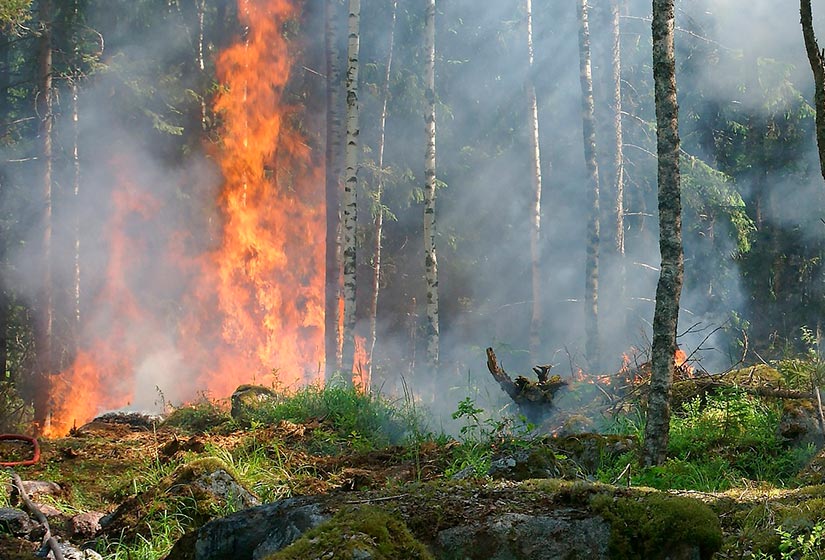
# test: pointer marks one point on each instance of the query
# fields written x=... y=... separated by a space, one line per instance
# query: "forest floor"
x=488 y=470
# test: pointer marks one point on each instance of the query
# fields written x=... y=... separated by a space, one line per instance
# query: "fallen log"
x=534 y=398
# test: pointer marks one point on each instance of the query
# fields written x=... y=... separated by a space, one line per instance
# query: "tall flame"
x=253 y=305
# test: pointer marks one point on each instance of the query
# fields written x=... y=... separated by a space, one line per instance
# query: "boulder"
x=249 y=398
x=198 y=491
x=85 y=525
x=15 y=522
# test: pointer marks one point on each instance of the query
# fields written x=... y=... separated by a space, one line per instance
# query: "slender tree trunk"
x=45 y=312
x=76 y=195
x=591 y=282
x=200 y=6
x=431 y=258
x=379 y=191
x=669 y=289
x=536 y=318
x=618 y=160
x=351 y=185
x=332 y=295
x=817 y=61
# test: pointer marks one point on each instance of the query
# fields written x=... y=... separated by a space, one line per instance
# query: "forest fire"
x=252 y=306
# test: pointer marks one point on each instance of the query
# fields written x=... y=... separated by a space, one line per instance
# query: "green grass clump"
x=198 y=417
x=717 y=441
x=364 y=420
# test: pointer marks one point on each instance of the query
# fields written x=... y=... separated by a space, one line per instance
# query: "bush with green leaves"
x=799 y=544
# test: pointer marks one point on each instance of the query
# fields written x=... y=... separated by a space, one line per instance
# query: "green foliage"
x=799 y=544
x=200 y=416
x=363 y=420
x=716 y=441
x=14 y=13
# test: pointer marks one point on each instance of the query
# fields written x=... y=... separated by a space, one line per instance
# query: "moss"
x=756 y=375
x=655 y=525
x=370 y=531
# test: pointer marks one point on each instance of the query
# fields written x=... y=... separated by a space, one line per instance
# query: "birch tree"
x=816 y=58
x=669 y=289
x=379 y=190
x=591 y=282
x=430 y=257
x=350 y=185
x=535 y=205
x=332 y=262
x=618 y=153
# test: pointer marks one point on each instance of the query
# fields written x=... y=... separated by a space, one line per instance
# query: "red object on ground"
x=16 y=437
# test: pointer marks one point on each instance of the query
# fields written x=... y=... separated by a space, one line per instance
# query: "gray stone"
x=15 y=522
x=248 y=398
x=253 y=533
x=72 y=553
x=566 y=534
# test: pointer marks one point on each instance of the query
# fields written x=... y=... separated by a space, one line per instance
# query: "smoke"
x=147 y=217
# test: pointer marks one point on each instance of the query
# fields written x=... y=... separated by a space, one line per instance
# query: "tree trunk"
x=431 y=258
x=332 y=294
x=817 y=60
x=535 y=205
x=45 y=305
x=668 y=291
x=618 y=160
x=76 y=299
x=591 y=282
x=379 y=190
x=350 y=186
x=200 y=6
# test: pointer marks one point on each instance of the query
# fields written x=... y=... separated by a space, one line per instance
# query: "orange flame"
x=680 y=360
x=254 y=307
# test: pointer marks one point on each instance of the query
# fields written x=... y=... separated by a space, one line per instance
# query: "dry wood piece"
x=534 y=398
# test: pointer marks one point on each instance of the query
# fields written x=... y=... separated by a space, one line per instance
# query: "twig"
x=373 y=500
x=819 y=407
x=626 y=471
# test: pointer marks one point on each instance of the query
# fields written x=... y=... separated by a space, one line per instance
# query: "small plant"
x=800 y=544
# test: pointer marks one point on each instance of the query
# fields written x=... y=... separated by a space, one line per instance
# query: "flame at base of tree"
x=248 y=310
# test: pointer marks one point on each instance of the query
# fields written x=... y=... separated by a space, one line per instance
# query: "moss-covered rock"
x=249 y=398
x=195 y=493
x=659 y=526
x=357 y=534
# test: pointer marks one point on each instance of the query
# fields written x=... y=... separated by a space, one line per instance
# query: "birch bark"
x=669 y=289
x=591 y=282
x=350 y=186
x=430 y=254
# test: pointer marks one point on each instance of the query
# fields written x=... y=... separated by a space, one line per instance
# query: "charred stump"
x=533 y=398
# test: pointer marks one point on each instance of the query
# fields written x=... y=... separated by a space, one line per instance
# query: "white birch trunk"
x=591 y=283
x=332 y=263
x=351 y=184
x=618 y=161
x=430 y=259
x=535 y=206
x=379 y=190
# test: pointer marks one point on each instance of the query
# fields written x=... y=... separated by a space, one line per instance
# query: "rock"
x=360 y=533
x=72 y=553
x=799 y=424
x=15 y=522
x=251 y=534
x=38 y=488
x=247 y=399
x=198 y=491
x=85 y=525
x=48 y=510
x=566 y=533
